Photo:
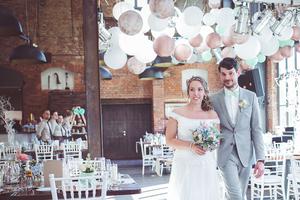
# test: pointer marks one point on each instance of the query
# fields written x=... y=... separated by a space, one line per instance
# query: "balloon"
x=196 y=41
x=206 y=56
x=156 y=23
x=130 y=22
x=185 y=30
x=252 y=62
x=192 y=16
x=286 y=51
x=115 y=58
x=183 y=52
x=135 y=66
x=208 y=19
x=204 y=31
x=120 y=8
x=269 y=47
x=164 y=46
x=261 y=58
x=131 y=45
x=228 y=52
x=296 y=33
x=115 y=32
x=244 y=66
x=162 y=8
x=220 y=30
x=147 y=54
x=227 y=41
x=286 y=33
x=277 y=56
x=214 y=3
x=226 y=17
x=170 y=31
x=213 y=40
x=249 y=49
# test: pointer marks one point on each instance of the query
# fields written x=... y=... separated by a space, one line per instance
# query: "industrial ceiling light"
x=242 y=25
x=151 y=73
x=104 y=35
x=105 y=73
x=27 y=54
x=217 y=54
x=280 y=24
x=162 y=61
x=9 y=24
x=262 y=21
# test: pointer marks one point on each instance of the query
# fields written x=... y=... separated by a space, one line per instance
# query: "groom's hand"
x=259 y=169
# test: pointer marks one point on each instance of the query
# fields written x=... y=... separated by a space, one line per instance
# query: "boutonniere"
x=243 y=103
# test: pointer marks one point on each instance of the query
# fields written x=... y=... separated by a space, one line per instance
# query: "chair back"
x=275 y=162
x=75 y=165
x=167 y=151
x=72 y=150
x=84 y=187
x=9 y=152
x=43 y=152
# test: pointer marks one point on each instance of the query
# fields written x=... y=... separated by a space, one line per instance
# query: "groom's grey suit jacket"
x=246 y=133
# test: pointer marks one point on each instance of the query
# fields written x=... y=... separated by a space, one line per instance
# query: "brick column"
x=271 y=96
x=158 y=106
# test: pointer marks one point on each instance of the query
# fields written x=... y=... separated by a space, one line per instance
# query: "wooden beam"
x=92 y=84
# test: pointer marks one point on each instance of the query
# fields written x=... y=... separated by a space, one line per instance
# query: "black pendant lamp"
x=27 y=54
x=105 y=73
x=9 y=24
x=163 y=61
x=151 y=73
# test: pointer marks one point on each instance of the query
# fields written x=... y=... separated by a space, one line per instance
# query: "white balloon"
x=147 y=54
x=192 y=59
x=286 y=33
x=170 y=31
x=185 y=30
x=115 y=58
x=135 y=66
x=269 y=47
x=204 y=31
x=145 y=13
x=265 y=34
x=156 y=23
x=192 y=15
x=249 y=49
x=226 y=17
x=208 y=19
x=120 y=8
x=131 y=45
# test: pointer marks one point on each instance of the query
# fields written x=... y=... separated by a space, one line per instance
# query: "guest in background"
x=67 y=125
x=43 y=128
x=59 y=130
x=53 y=122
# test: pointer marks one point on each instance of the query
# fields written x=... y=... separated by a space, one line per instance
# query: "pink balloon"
x=130 y=22
x=297 y=47
x=162 y=8
x=183 y=52
x=244 y=66
x=296 y=33
x=227 y=41
x=196 y=41
x=286 y=51
x=213 y=40
x=164 y=45
x=135 y=66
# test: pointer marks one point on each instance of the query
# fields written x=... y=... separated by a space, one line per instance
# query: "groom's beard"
x=230 y=86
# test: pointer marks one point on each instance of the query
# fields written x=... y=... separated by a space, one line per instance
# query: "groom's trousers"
x=235 y=177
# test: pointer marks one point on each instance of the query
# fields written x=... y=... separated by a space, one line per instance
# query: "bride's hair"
x=206 y=104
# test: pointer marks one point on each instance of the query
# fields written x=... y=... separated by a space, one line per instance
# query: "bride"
x=193 y=175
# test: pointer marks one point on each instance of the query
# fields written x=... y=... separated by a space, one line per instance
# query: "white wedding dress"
x=193 y=176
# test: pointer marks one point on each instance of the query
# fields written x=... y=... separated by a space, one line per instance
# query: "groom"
x=241 y=131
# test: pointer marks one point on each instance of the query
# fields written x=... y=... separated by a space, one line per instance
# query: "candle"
x=31 y=117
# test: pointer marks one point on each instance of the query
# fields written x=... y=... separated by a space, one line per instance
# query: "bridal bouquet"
x=207 y=136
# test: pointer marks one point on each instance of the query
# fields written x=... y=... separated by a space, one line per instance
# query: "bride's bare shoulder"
x=181 y=111
x=212 y=114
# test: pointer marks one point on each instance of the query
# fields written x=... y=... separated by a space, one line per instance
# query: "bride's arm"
x=172 y=141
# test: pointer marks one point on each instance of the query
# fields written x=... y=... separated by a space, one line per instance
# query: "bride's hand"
x=198 y=150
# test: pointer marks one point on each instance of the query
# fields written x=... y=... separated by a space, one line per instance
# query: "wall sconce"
x=262 y=21
x=282 y=22
x=242 y=25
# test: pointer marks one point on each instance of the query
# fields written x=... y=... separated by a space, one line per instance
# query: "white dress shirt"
x=232 y=102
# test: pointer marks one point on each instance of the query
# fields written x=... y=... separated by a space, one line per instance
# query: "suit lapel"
x=241 y=97
x=224 y=108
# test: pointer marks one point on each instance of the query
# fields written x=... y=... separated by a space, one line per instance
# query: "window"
x=289 y=90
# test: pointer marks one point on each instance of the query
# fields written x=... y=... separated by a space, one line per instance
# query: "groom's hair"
x=228 y=63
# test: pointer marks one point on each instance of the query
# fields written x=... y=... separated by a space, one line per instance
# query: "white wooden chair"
x=87 y=187
x=43 y=152
x=165 y=161
x=273 y=179
x=147 y=156
x=9 y=152
x=74 y=166
x=296 y=178
x=72 y=150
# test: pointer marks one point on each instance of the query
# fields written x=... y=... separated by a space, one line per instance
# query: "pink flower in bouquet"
x=21 y=156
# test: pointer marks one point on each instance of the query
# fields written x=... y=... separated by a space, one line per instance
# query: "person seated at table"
x=43 y=128
x=53 y=123
x=59 y=130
